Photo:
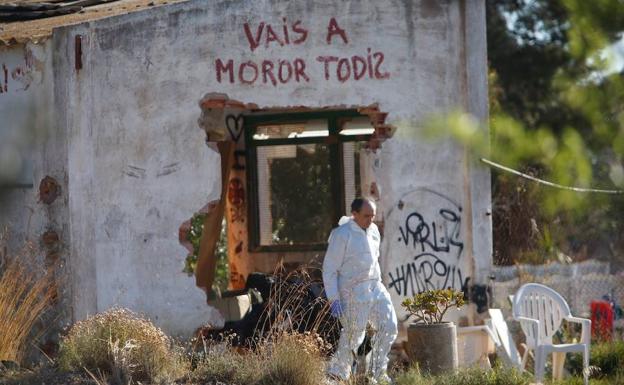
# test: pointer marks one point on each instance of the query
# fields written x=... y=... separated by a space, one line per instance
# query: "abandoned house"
x=122 y=119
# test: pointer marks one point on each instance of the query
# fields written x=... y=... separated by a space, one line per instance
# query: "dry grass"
x=25 y=293
x=288 y=349
x=291 y=309
x=287 y=359
x=465 y=376
x=223 y=363
x=293 y=359
x=120 y=344
x=45 y=375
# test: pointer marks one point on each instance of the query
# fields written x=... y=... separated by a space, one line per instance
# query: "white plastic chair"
x=540 y=311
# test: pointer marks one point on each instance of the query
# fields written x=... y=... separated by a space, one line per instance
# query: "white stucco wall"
x=138 y=166
x=25 y=88
x=29 y=145
x=29 y=131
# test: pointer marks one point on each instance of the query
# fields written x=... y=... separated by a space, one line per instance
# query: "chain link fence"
x=579 y=283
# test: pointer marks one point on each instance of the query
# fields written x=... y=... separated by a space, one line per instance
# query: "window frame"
x=334 y=141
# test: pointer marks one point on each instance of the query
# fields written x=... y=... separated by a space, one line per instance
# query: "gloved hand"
x=336 y=308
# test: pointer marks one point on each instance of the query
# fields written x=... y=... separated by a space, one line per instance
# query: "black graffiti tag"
x=422 y=235
x=426 y=272
x=234 y=125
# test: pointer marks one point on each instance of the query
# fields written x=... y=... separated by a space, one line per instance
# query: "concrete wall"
x=29 y=132
x=25 y=90
x=138 y=166
x=436 y=200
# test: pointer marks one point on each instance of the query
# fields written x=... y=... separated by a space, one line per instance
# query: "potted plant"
x=431 y=342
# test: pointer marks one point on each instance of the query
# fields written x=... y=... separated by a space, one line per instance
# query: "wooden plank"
x=207 y=259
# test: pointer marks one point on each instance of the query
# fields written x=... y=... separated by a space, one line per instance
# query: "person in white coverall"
x=353 y=286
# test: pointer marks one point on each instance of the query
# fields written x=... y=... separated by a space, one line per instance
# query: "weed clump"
x=473 y=376
x=123 y=345
x=284 y=359
x=25 y=294
x=294 y=359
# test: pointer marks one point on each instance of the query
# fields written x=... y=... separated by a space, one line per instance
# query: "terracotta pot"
x=433 y=347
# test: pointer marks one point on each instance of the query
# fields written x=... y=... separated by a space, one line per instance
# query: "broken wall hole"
x=190 y=233
x=279 y=166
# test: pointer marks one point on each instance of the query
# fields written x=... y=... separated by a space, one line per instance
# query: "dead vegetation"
x=26 y=291
x=121 y=347
x=289 y=346
x=288 y=359
x=295 y=305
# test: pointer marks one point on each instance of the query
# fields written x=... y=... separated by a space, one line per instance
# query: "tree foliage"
x=193 y=235
x=557 y=113
x=301 y=196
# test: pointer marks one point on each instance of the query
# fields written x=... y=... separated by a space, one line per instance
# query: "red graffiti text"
x=271 y=72
x=355 y=67
x=270 y=35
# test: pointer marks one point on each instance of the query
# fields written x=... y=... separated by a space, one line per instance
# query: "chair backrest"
x=541 y=303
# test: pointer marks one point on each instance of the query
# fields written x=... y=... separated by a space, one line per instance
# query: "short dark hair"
x=357 y=204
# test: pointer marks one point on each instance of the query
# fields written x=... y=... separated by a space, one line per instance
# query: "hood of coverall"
x=344 y=220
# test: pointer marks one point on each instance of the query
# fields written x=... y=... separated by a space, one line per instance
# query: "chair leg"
x=525 y=357
x=558 y=360
x=586 y=364
x=540 y=364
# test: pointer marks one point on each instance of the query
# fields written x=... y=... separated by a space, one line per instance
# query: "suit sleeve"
x=376 y=233
x=332 y=264
x=378 y=251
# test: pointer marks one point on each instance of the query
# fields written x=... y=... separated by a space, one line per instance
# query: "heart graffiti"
x=234 y=126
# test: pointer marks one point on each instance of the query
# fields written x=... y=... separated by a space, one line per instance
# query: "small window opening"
x=304 y=172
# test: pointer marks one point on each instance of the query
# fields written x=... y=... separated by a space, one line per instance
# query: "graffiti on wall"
x=428 y=250
x=421 y=235
x=21 y=74
x=236 y=199
x=363 y=65
x=236 y=209
x=234 y=125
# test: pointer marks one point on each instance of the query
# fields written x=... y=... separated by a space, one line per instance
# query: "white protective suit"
x=352 y=275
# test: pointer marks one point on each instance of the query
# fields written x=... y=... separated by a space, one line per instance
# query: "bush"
x=121 y=344
x=25 y=294
x=222 y=274
x=221 y=362
x=606 y=357
x=618 y=379
x=294 y=359
x=288 y=359
x=473 y=376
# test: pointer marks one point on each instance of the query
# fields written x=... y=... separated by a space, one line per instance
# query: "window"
x=303 y=173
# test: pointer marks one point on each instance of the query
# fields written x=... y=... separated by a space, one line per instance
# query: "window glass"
x=294 y=194
x=357 y=126
x=305 y=129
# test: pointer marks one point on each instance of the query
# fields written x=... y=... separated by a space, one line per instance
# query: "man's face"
x=365 y=217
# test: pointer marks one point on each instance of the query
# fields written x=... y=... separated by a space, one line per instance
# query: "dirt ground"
x=47 y=376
